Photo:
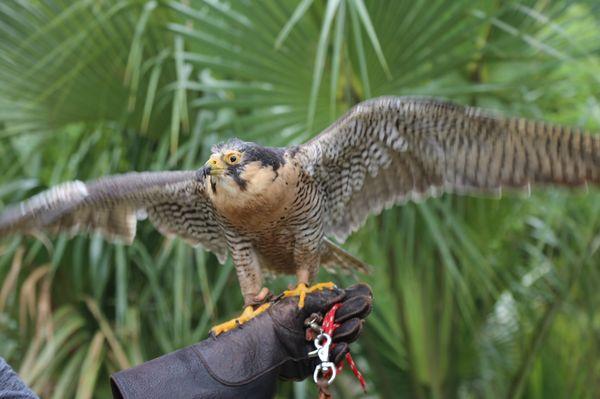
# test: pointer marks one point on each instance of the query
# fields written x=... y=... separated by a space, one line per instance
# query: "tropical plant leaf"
x=474 y=297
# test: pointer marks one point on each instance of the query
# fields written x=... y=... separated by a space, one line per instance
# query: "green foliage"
x=474 y=298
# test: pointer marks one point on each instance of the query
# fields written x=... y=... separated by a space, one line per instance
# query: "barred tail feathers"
x=334 y=256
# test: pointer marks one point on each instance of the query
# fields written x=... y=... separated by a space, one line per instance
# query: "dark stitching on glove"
x=286 y=328
x=290 y=330
x=243 y=382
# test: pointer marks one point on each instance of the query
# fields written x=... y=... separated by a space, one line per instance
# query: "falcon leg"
x=302 y=288
x=250 y=278
x=262 y=296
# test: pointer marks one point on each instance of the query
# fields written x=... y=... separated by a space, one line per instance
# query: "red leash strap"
x=329 y=326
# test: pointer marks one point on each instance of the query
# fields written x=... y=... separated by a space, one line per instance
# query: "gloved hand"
x=246 y=362
x=291 y=330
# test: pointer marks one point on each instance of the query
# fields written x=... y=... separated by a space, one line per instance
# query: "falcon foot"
x=301 y=290
x=248 y=313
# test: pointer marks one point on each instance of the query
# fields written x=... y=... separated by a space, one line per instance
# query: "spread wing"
x=393 y=149
x=175 y=202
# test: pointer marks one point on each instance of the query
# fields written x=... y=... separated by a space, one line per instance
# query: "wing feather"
x=394 y=149
x=175 y=202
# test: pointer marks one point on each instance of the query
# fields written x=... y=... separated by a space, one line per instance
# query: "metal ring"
x=323 y=367
x=318 y=339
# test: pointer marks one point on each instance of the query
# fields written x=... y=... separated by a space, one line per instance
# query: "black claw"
x=276 y=298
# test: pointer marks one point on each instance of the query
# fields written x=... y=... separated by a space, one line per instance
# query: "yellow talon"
x=248 y=314
x=301 y=290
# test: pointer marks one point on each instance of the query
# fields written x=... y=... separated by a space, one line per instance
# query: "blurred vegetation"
x=475 y=298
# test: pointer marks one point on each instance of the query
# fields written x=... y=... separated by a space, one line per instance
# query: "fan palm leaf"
x=474 y=297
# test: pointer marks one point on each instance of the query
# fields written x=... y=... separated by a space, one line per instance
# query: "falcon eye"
x=233 y=158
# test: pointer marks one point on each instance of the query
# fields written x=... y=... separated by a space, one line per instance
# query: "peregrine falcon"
x=272 y=209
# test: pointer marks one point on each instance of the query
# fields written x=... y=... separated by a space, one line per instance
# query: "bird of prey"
x=273 y=209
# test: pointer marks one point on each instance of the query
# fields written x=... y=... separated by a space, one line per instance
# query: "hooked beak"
x=204 y=172
x=214 y=166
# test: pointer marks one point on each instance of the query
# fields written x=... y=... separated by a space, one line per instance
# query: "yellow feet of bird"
x=301 y=290
x=248 y=313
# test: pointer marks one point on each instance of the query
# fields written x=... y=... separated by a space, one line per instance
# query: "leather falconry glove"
x=246 y=362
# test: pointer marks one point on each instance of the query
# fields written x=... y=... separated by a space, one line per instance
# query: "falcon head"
x=236 y=165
